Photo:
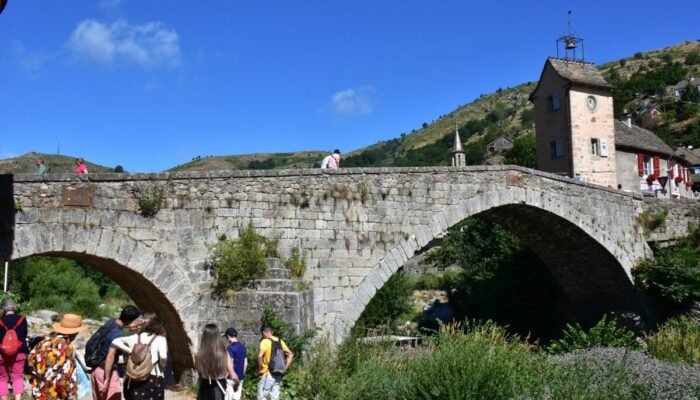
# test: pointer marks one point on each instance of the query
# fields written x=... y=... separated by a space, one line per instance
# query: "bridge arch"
x=152 y=281
x=591 y=268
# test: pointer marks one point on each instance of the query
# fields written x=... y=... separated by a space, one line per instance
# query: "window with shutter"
x=640 y=164
x=656 y=165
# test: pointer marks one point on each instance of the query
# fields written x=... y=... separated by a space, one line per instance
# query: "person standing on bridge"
x=40 y=167
x=332 y=161
x=81 y=167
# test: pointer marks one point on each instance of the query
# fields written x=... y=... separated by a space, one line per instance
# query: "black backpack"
x=278 y=359
x=93 y=349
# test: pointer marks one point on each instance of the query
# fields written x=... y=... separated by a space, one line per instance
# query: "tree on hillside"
x=474 y=153
x=692 y=58
x=523 y=152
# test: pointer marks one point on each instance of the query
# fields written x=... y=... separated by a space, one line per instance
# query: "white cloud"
x=353 y=101
x=150 y=45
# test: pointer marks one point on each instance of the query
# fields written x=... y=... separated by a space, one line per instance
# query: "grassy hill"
x=300 y=159
x=639 y=80
x=54 y=164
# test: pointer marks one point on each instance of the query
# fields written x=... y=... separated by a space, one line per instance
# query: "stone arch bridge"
x=355 y=228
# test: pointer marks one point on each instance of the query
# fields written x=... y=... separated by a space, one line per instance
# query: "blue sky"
x=151 y=84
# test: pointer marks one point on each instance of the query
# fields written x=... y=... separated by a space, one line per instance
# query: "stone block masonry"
x=354 y=227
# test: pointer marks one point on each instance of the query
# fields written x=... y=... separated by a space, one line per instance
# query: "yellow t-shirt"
x=266 y=344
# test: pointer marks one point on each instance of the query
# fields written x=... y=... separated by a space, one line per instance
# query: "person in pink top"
x=81 y=166
x=332 y=161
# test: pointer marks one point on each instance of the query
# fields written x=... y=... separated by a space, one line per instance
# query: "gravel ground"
x=676 y=381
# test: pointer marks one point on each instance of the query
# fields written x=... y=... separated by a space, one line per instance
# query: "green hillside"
x=54 y=164
x=300 y=159
x=640 y=85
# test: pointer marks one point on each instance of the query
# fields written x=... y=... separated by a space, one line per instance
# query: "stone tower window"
x=595 y=147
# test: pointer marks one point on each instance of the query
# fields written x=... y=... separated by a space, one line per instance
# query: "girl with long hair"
x=213 y=364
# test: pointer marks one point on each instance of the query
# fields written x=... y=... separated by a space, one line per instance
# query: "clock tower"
x=574 y=122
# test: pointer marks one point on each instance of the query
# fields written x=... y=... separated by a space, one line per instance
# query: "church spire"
x=458 y=159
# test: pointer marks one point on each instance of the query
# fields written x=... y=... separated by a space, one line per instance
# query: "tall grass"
x=479 y=362
x=677 y=340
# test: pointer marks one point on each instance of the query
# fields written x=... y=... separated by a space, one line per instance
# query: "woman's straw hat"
x=69 y=324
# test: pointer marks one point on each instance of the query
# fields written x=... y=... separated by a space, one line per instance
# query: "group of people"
x=80 y=166
x=128 y=358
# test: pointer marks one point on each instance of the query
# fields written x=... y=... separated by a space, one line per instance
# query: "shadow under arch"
x=147 y=297
x=581 y=259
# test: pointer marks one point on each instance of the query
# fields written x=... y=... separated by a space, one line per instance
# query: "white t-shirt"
x=159 y=349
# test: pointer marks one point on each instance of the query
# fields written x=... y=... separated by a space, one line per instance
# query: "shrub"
x=673 y=274
x=523 y=152
x=692 y=58
x=677 y=340
x=606 y=333
x=652 y=221
x=237 y=263
x=150 y=201
x=296 y=264
x=60 y=285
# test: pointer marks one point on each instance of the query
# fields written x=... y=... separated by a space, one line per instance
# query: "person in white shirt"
x=332 y=161
x=154 y=386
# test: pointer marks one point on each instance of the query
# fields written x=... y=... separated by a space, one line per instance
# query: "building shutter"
x=640 y=164
x=672 y=167
x=656 y=165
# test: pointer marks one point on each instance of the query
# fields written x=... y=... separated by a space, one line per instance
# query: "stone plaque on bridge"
x=514 y=179
x=78 y=196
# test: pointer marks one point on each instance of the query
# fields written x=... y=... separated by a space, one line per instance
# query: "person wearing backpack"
x=52 y=362
x=214 y=365
x=274 y=359
x=96 y=351
x=147 y=353
x=13 y=349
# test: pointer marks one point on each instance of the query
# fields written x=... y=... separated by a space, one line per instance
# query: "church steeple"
x=458 y=158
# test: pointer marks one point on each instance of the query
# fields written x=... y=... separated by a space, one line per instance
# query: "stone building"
x=574 y=122
x=679 y=88
x=691 y=160
x=499 y=145
x=577 y=136
x=641 y=158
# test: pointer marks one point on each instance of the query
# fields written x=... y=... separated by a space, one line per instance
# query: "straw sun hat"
x=69 y=324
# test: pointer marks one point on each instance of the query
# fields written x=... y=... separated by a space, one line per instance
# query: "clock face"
x=591 y=103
